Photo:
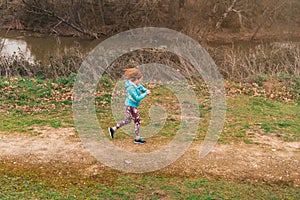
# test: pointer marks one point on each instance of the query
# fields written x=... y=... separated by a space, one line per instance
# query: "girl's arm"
x=142 y=88
x=135 y=96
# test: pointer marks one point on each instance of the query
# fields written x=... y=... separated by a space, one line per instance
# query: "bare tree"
x=229 y=9
x=101 y=8
x=175 y=8
x=269 y=14
x=68 y=16
x=3 y=3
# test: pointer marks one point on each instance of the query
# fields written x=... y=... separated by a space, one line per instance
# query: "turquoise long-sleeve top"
x=134 y=94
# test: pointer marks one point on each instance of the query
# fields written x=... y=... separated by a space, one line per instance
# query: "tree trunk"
x=101 y=9
x=174 y=8
x=174 y=11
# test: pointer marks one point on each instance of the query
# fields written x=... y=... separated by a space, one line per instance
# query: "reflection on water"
x=41 y=48
x=10 y=47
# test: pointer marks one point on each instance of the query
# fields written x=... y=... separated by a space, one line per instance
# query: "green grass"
x=29 y=102
x=19 y=122
x=26 y=103
x=259 y=116
x=27 y=185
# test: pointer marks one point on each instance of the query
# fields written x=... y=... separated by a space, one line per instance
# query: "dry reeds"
x=269 y=59
x=61 y=65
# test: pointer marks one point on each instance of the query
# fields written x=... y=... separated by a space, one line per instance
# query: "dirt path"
x=271 y=160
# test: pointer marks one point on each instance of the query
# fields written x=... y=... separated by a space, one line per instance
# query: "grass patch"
x=259 y=116
x=27 y=102
x=27 y=185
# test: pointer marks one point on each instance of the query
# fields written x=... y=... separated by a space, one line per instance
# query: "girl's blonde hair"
x=133 y=74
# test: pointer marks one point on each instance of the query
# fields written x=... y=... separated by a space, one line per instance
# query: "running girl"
x=135 y=92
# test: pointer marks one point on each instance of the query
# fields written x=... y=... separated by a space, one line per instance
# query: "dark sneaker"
x=111 y=132
x=139 y=141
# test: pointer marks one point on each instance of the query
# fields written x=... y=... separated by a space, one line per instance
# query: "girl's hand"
x=148 y=92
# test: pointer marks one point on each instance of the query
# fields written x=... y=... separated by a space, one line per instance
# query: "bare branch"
x=229 y=9
x=239 y=13
x=266 y=19
x=44 y=11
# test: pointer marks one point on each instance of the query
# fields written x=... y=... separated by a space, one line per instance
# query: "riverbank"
x=257 y=155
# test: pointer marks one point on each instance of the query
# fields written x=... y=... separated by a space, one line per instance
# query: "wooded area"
x=197 y=18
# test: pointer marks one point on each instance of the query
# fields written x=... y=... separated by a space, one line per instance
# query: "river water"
x=36 y=47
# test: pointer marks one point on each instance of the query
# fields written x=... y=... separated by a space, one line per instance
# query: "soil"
x=268 y=159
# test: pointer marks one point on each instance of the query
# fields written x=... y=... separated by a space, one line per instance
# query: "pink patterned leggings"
x=131 y=113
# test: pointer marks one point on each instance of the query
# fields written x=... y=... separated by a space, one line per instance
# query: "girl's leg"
x=131 y=113
x=127 y=119
x=137 y=122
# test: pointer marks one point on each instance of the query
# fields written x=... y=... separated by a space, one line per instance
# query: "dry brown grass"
x=62 y=65
x=263 y=59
